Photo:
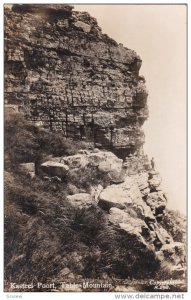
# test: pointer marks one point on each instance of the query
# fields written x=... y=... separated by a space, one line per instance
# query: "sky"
x=158 y=34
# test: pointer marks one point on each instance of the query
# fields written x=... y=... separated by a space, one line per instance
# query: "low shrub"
x=175 y=224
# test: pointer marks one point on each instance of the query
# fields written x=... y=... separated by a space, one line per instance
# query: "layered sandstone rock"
x=80 y=200
x=55 y=168
x=61 y=70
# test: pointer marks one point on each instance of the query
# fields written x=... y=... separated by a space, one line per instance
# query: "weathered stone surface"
x=125 y=195
x=65 y=75
x=75 y=161
x=137 y=228
x=145 y=192
x=142 y=181
x=118 y=216
x=27 y=169
x=136 y=164
x=80 y=200
x=112 y=165
x=67 y=68
x=114 y=196
x=154 y=180
x=84 y=26
x=161 y=236
x=103 y=161
x=54 y=168
x=157 y=202
x=96 y=191
x=132 y=226
x=106 y=161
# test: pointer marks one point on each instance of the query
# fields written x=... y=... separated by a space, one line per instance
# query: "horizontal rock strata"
x=66 y=75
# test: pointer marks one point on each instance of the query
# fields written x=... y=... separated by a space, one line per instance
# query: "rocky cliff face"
x=64 y=73
x=133 y=201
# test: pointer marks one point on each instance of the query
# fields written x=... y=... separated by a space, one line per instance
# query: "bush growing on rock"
x=86 y=177
x=175 y=224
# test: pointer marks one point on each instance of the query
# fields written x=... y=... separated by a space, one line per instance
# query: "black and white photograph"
x=95 y=148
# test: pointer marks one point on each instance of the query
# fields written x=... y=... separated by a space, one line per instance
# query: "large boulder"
x=52 y=168
x=80 y=200
x=27 y=169
x=114 y=196
x=125 y=196
x=108 y=163
x=135 y=227
x=75 y=161
x=154 y=237
x=103 y=161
